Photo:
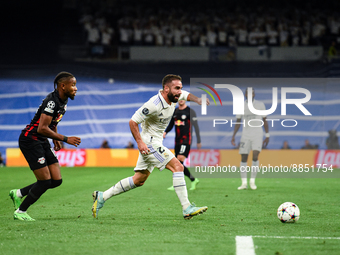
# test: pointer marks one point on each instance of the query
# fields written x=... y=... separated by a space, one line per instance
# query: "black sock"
x=24 y=191
x=35 y=192
x=187 y=173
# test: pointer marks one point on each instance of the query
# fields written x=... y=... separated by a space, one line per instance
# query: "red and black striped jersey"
x=183 y=121
x=53 y=106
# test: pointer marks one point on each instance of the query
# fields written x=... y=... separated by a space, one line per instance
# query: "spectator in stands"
x=309 y=146
x=332 y=51
x=2 y=162
x=332 y=140
x=211 y=36
x=318 y=30
x=203 y=40
x=186 y=38
x=93 y=36
x=242 y=35
x=130 y=145
x=272 y=36
x=222 y=36
x=106 y=38
x=285 y=146
x=284 y=36
x=137 y=33
x=148 y=36
x=105 y=145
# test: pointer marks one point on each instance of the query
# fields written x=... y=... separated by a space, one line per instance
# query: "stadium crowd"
x=241 y=25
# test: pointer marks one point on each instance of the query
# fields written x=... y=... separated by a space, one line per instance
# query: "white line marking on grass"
x=244 y=245
x=298 y=237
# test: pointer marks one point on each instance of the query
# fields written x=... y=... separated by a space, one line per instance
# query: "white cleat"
x=252 y=185
x=243 y=186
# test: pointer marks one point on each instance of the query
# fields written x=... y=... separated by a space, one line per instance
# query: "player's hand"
x=143 y=148
x=199 y=146
x=265 y=142
x=233 y=141
x=73 y=140
x=164 y=135
x=199 y=101
x=57 y=145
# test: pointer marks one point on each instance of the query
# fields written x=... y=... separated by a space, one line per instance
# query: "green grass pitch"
x=148 y=220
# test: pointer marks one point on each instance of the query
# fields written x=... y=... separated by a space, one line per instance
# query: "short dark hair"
x=61 y=76
x=169 y=78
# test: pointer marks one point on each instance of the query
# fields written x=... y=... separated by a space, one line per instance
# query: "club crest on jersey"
x=183 y=117
x=179 y=123
x=41 y=160
x=145 y=111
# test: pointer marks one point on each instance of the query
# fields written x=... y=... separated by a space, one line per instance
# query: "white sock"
x=181 y=189
x=19 y=211
x=123 y=185
x=19 y=193
x=243 y=166
x=254 y=170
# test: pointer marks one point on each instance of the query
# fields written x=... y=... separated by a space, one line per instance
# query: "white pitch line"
x=298 y=237
x=244 y=245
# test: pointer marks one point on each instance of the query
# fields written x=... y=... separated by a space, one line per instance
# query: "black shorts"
x=38 y=154
x=182 y=149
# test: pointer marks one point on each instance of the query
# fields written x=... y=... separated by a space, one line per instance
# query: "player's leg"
x=43 y=183
x=17 y=194
x=254 y=169
x=244 y=151
x=38 y=156
x=189 y=210
x=127 y=184
x=56 y=179
x=181 y=153
x=194 y=181
x=142 y=172
x=243 y=171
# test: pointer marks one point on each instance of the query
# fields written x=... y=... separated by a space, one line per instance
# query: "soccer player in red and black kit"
x=184 y=118
x=36 y=148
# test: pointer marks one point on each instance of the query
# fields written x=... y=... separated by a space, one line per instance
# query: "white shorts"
x=159 y=156
x=249 y=144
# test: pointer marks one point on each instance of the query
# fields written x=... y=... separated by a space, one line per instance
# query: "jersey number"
x=182 y=150
x=160 y=150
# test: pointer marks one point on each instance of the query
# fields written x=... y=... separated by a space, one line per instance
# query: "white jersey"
x=155 y=116
x=253 y=124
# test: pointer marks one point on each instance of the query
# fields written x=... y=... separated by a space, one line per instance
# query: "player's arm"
x=196 y=99
x=43 y=129
x=266 y=129
x=142 y=147
x=57 y=145
x=170 y=126
x=143 y=113
x=236 y=128
x=193 y=117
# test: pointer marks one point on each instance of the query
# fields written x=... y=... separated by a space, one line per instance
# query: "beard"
x=172 y=97
x=71 y=96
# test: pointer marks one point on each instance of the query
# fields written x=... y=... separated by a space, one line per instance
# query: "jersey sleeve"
x=184 y=95
x=144 y=112
x=171 y=124
x=49 y=106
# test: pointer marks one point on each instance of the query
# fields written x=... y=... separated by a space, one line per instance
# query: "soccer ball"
x=288 y=212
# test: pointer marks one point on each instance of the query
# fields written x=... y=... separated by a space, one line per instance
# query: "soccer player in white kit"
x=251 y=139
x=154 y=116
